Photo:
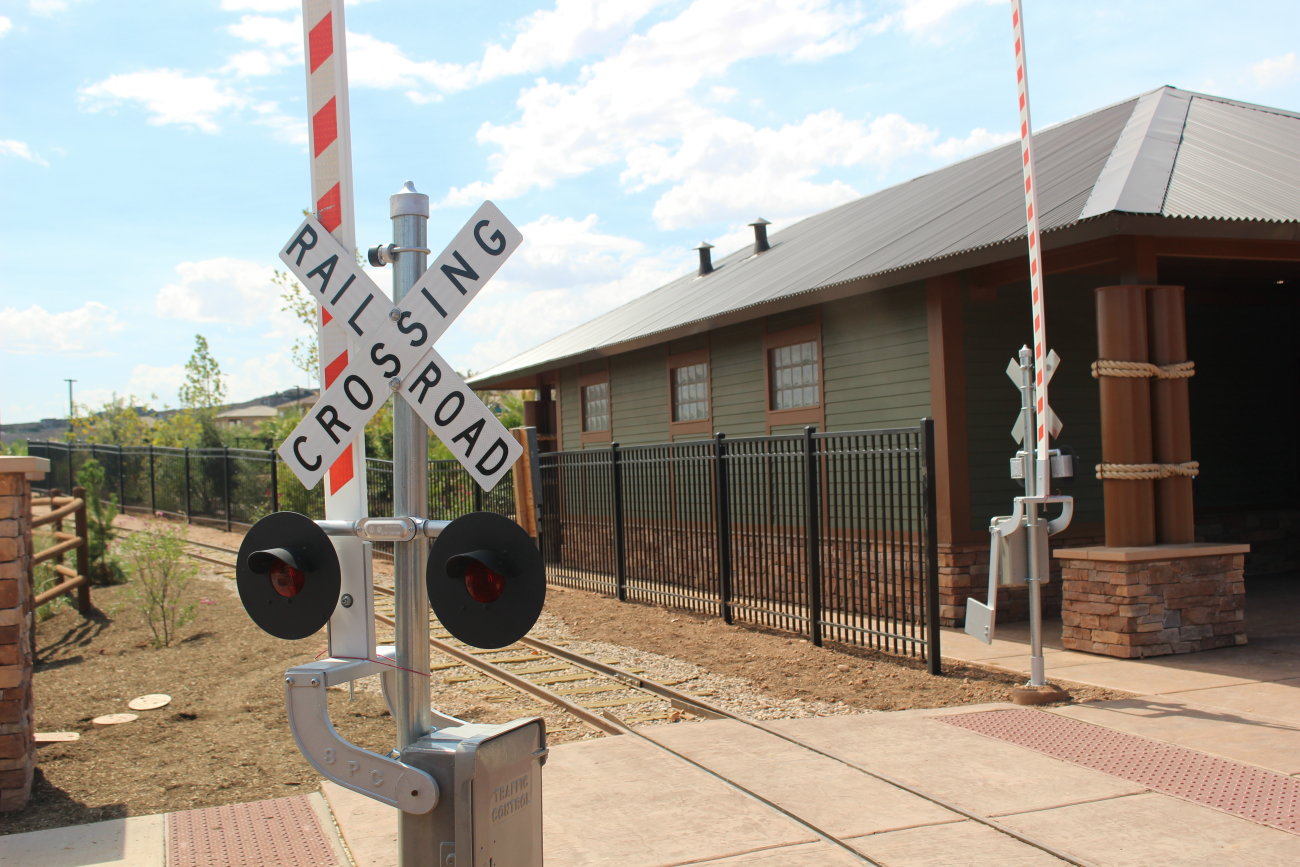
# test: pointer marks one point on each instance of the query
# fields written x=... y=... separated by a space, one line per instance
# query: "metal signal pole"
x=410 y=212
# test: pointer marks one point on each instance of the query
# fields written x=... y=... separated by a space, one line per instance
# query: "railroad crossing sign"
x=398 y=353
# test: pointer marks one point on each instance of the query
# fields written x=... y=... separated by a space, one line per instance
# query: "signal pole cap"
x=406 y=202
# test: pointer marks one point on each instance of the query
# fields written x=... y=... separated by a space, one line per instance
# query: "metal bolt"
x=395 y=383
x=315 y=681
x=289 y=680
x=395 y=314
x=346 y=600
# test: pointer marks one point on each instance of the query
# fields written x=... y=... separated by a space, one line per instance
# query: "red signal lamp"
x=288 y=575
x=486 y=580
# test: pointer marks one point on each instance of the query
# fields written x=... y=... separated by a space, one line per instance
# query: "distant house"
x=247 y=416
x=910 y=302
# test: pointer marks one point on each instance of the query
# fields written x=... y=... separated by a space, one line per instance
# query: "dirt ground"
x=224 y=737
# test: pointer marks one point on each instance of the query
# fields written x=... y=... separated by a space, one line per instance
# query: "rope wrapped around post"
x=1135 y=472
x=1142 y=369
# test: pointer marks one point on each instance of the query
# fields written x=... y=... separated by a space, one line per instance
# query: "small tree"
x=160 y=576
x=204 y=388
x=104 y=567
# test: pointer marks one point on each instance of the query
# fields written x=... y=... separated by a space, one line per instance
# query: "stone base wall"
x=1138 y=602
x=17 y=747
x=964 y=572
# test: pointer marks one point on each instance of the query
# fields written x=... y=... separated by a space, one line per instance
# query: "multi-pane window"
x=691 y=392
x=794 y=375
x=595 y=406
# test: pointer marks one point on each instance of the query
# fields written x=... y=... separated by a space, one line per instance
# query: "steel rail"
x=513 y=680
x=610 y=724
x=703 y=708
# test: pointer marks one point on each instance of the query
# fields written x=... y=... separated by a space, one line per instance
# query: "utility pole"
x=71 y=406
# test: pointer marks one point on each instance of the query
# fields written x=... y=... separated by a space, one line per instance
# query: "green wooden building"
x=909 y=303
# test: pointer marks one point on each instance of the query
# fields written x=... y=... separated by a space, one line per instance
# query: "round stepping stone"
x=152 y=701
x=112 y=719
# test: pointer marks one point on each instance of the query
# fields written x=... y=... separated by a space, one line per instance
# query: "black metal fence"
x=829 y=535
x=233 y=487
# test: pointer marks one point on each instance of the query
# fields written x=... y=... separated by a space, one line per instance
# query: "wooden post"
x=1171 y=416
x=83 y=553
x=522 y=474
x=1125 y=415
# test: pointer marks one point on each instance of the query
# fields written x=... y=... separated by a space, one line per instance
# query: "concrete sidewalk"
x=620 y=802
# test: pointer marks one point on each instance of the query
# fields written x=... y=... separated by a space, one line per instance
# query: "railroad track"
x=614 y=700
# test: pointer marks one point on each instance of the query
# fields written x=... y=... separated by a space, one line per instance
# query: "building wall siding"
x=736 y=380
x=875 y=359
x=639 y=396
x=997 y=323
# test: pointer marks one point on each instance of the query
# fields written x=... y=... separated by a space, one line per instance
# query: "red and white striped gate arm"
x=330 y=142
x=1042 y=408
x=331 y=192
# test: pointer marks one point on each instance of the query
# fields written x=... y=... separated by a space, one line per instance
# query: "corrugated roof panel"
x=1236 y=162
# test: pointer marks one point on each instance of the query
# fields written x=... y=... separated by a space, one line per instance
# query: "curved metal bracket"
x=386 y=780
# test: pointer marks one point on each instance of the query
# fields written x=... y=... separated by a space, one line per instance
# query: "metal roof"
x=1168 y=152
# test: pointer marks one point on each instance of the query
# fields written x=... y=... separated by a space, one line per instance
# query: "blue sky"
x=153 y=156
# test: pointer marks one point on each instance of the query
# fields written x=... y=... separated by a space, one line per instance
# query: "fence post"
x=83 y=553
x=620 y=542
x=722 y=510
x=225 y=481
x=153 y=488
x=69 y=446
x=478 y=497
x=275 y=485
x=812 y=505
x=932 y=631
x=121 y=478
x=187 y=484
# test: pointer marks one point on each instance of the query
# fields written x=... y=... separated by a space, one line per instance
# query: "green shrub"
x=104 y=567
x=160 y=575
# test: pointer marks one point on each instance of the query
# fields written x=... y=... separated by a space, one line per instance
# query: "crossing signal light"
x=288 y=575
x=486 y=580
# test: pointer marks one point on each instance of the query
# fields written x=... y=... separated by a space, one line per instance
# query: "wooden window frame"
x=589 y=379
x=699 y=425
x=815 y=414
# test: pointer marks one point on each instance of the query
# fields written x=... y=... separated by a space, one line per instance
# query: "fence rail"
x=233 y=487
x=829 y=535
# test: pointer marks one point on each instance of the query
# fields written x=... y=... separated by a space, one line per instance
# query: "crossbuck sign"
x=397 y=348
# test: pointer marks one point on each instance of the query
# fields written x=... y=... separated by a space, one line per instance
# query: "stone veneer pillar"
x=1153 y=600
x=17 y=620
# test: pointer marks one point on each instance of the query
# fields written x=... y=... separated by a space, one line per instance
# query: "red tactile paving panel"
x=1261 y=796
x=283 y=831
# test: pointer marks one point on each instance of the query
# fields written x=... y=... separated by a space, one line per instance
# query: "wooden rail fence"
x=76 y=580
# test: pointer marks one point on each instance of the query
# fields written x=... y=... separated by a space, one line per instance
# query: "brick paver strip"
x=1252 y=793
x=282 y=831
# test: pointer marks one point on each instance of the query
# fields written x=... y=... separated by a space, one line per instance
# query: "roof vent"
x=760 y=235
x=706 y=262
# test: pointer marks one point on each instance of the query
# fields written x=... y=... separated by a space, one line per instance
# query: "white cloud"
x=977 y=141
x=643 y=93
x=82 y=331
x=382 y=65
x=6 y=25
x=47 y=7
x=929 y=19
x=280 y=42
x=228 y=291
x=567 y=272
x=12 y=148
x=260 y=375
x=553 y=37
x=1275 y=70
x=170 y=96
